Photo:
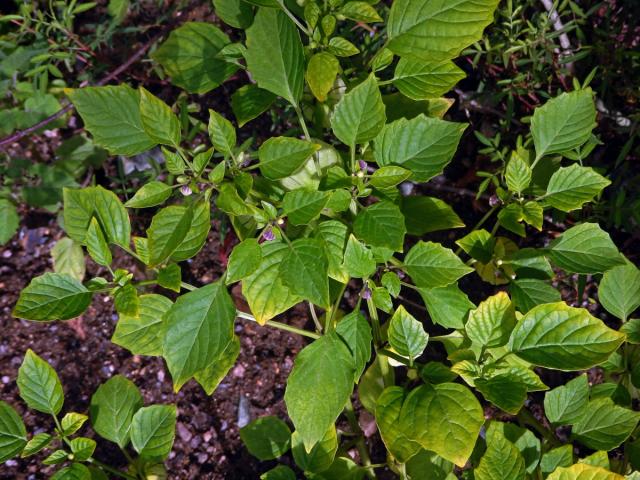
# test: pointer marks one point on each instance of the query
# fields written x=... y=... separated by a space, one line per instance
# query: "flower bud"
x=268 y=235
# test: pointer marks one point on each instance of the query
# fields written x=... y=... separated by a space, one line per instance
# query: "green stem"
x=396 y=357
x=294 y=19
x=375 y=322
x=111 y=470
x=526 y=417
x=305 y=130
x=329 y=326
x=480 y=223
x=314 y=315
x=278 y=325
x=359 y=442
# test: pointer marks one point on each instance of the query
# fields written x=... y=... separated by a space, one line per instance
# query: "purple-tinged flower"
x=363 y=164
x=366 y=293
x=493 y=200
x=186 y=190
x=268 y=235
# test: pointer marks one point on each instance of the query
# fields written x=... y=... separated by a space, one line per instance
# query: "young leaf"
x=190 y=57
x=381 y=225
x=491 y=323
x=266 y=438
x=390 y=176
x=557 y=457
x=322 y=70
x=210 y=377
x=505 y=390
x=318 y=387
x=52 y=296
x=13 y=434
x=75 y=471
x=605 y=425
x=37 y=443
x=502 y=459
x=304 y=271
x=158 y=121
x=282 y=156
x=358 y=259
x=199 y=326
x=197 y=234
x=341 y=47
x=428 y=214
x=407 y=335
x=222 y=133
x=619 y=290
x=72 y=422
x=431 y=265
x=423 y=145
x=447 y=306
x=250 y=101
x=581 y=471
x=518 y=173
x=274 y=54
x=82 y=448
x=302 y=206
x=281 y=472
x=150 y=195
x=356 y=333
x=423 y=80
x=566 y=404
x=97 y=245
x=560 y=337
x=126 y=301
x=244 y=260
x=168 y=229
x=569 y=188
x=68 y=258
x=321 y=455
x=563 y=123
x=39 y=385
x=334 y=236
x=9 y=220
x=360 y=114
x=360 y=11
x=153 y=431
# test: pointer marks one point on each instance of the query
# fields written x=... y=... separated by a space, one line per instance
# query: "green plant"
x=117 y=414
x=322 y=215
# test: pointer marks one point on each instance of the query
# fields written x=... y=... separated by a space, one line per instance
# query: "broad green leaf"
x=244 y=260
x=153 y=430
x=520 y=370
x=112 y=407
x=358 y=259
x=210 y=377
x=506 y=391
x=264 y=289
x=341 y=47
x=266 y=438
x=168 y=229
x=282 y=156
x=532 y=213
x=304 y=271
x=360 y=114
x=563 y=123
x=112 y=115
x=527 y=293
x=390 y=176
x=334 y=235
x=158 y=121
x=126 y=301
x=422 y=80
x=322 y=70
x=235 y=13
x=437 y=30
x=391 y=282
x=407 y=335
x=143 y=334
x=75 y=471
x=585 y=248
x=360 y=11
x=423 y=145
x=378 y=375
x=302 y=206
x=190 y=57
x=604 y=425
x=37 y=443
x=447 y=306
x=566 y=404
x=72 y=422
x=318 y=387
x=560 y=337
x=82 y=448
x=170 y=277
x=68 y=258
x=222 y=133
x=426 y=464
x=428 y=214
x=581 y=471
x=274 y=54
x=321 y=455
x=619 y=290
x=199 y=326
x=431 y=265
x=502 y=460
x=52 y=296
x=249 y=102
x=511 y=217
x=478 y=244
x=518 y=173
x=490 y=324
x=9 y=220
x=150 y=195
x=197 y=234
x=280 y=472
x=525 y=441
x=13 y=434
x=97 y=245
x=571 y=187
x=39 y=385
x=381 y=225
x=557 y=457
x=356 y=333
x=387 y=412
x=597 y=459
x=58 y=456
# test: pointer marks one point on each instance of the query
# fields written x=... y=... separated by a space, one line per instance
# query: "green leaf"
x=356 y=333
x=175 y=163
x=199 y=326
x=168 y=229
x=170 y=277
x=39 y=385
x=447 y=306
x=566 y=404
x=407 y=335
x=423 y=80
x=431 y=265
x=112 y=115
x=585 y=248
x=82 y=448
x=322 y=70
x=143 y=334
x=428 y=214
x=478 y=244
x=210 y=377
x=13 y=434
x=560 y=337
x=318 y=387
x=72 y=422
x=360 y=114
x=502 y=460
x=490 y=324
x=358 y=259
x=37 y=443
x=126 y=301
x=9 y=220
x=197 y=234
x=563 y=123
x=302 y=206
x=581 y=471
x=282 y=156
x=58 y=456
x=619 y=290
x=360 y=11
x=429 y=30
x=518 y=173
x=153 y=430
x=264 y=289
x=274 y=54
x=68 y=258
x=433 y=466
x=334 y=236
x=222 y=133
x=321 y=455
x=52 y=296
x=235 y=13
x=510 y=217
x=506 y=391
x=387 y=412
x=390 y=176
x=381 y=225
x=605 y=425
x=423 y=145
x=151 y=194
x=527 y=293
x=249 y=102
x=158 y=121
x=266 y=438
x=532 y=213
x=341 y=47
x=112 y=408
x=118 y=9
x=558 y=457
x=280 y=472
x=391 y=282
x=76 y=471
x=244 y=260
x=97 y=245
x=571 y=187
x=190 y=57
x=304 y=271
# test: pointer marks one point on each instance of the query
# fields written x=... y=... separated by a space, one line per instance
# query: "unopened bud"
x=281 y=221
x=186 y=190
x=268 y=235
x=366 y=294
x=362 y=164
x=493 y=200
